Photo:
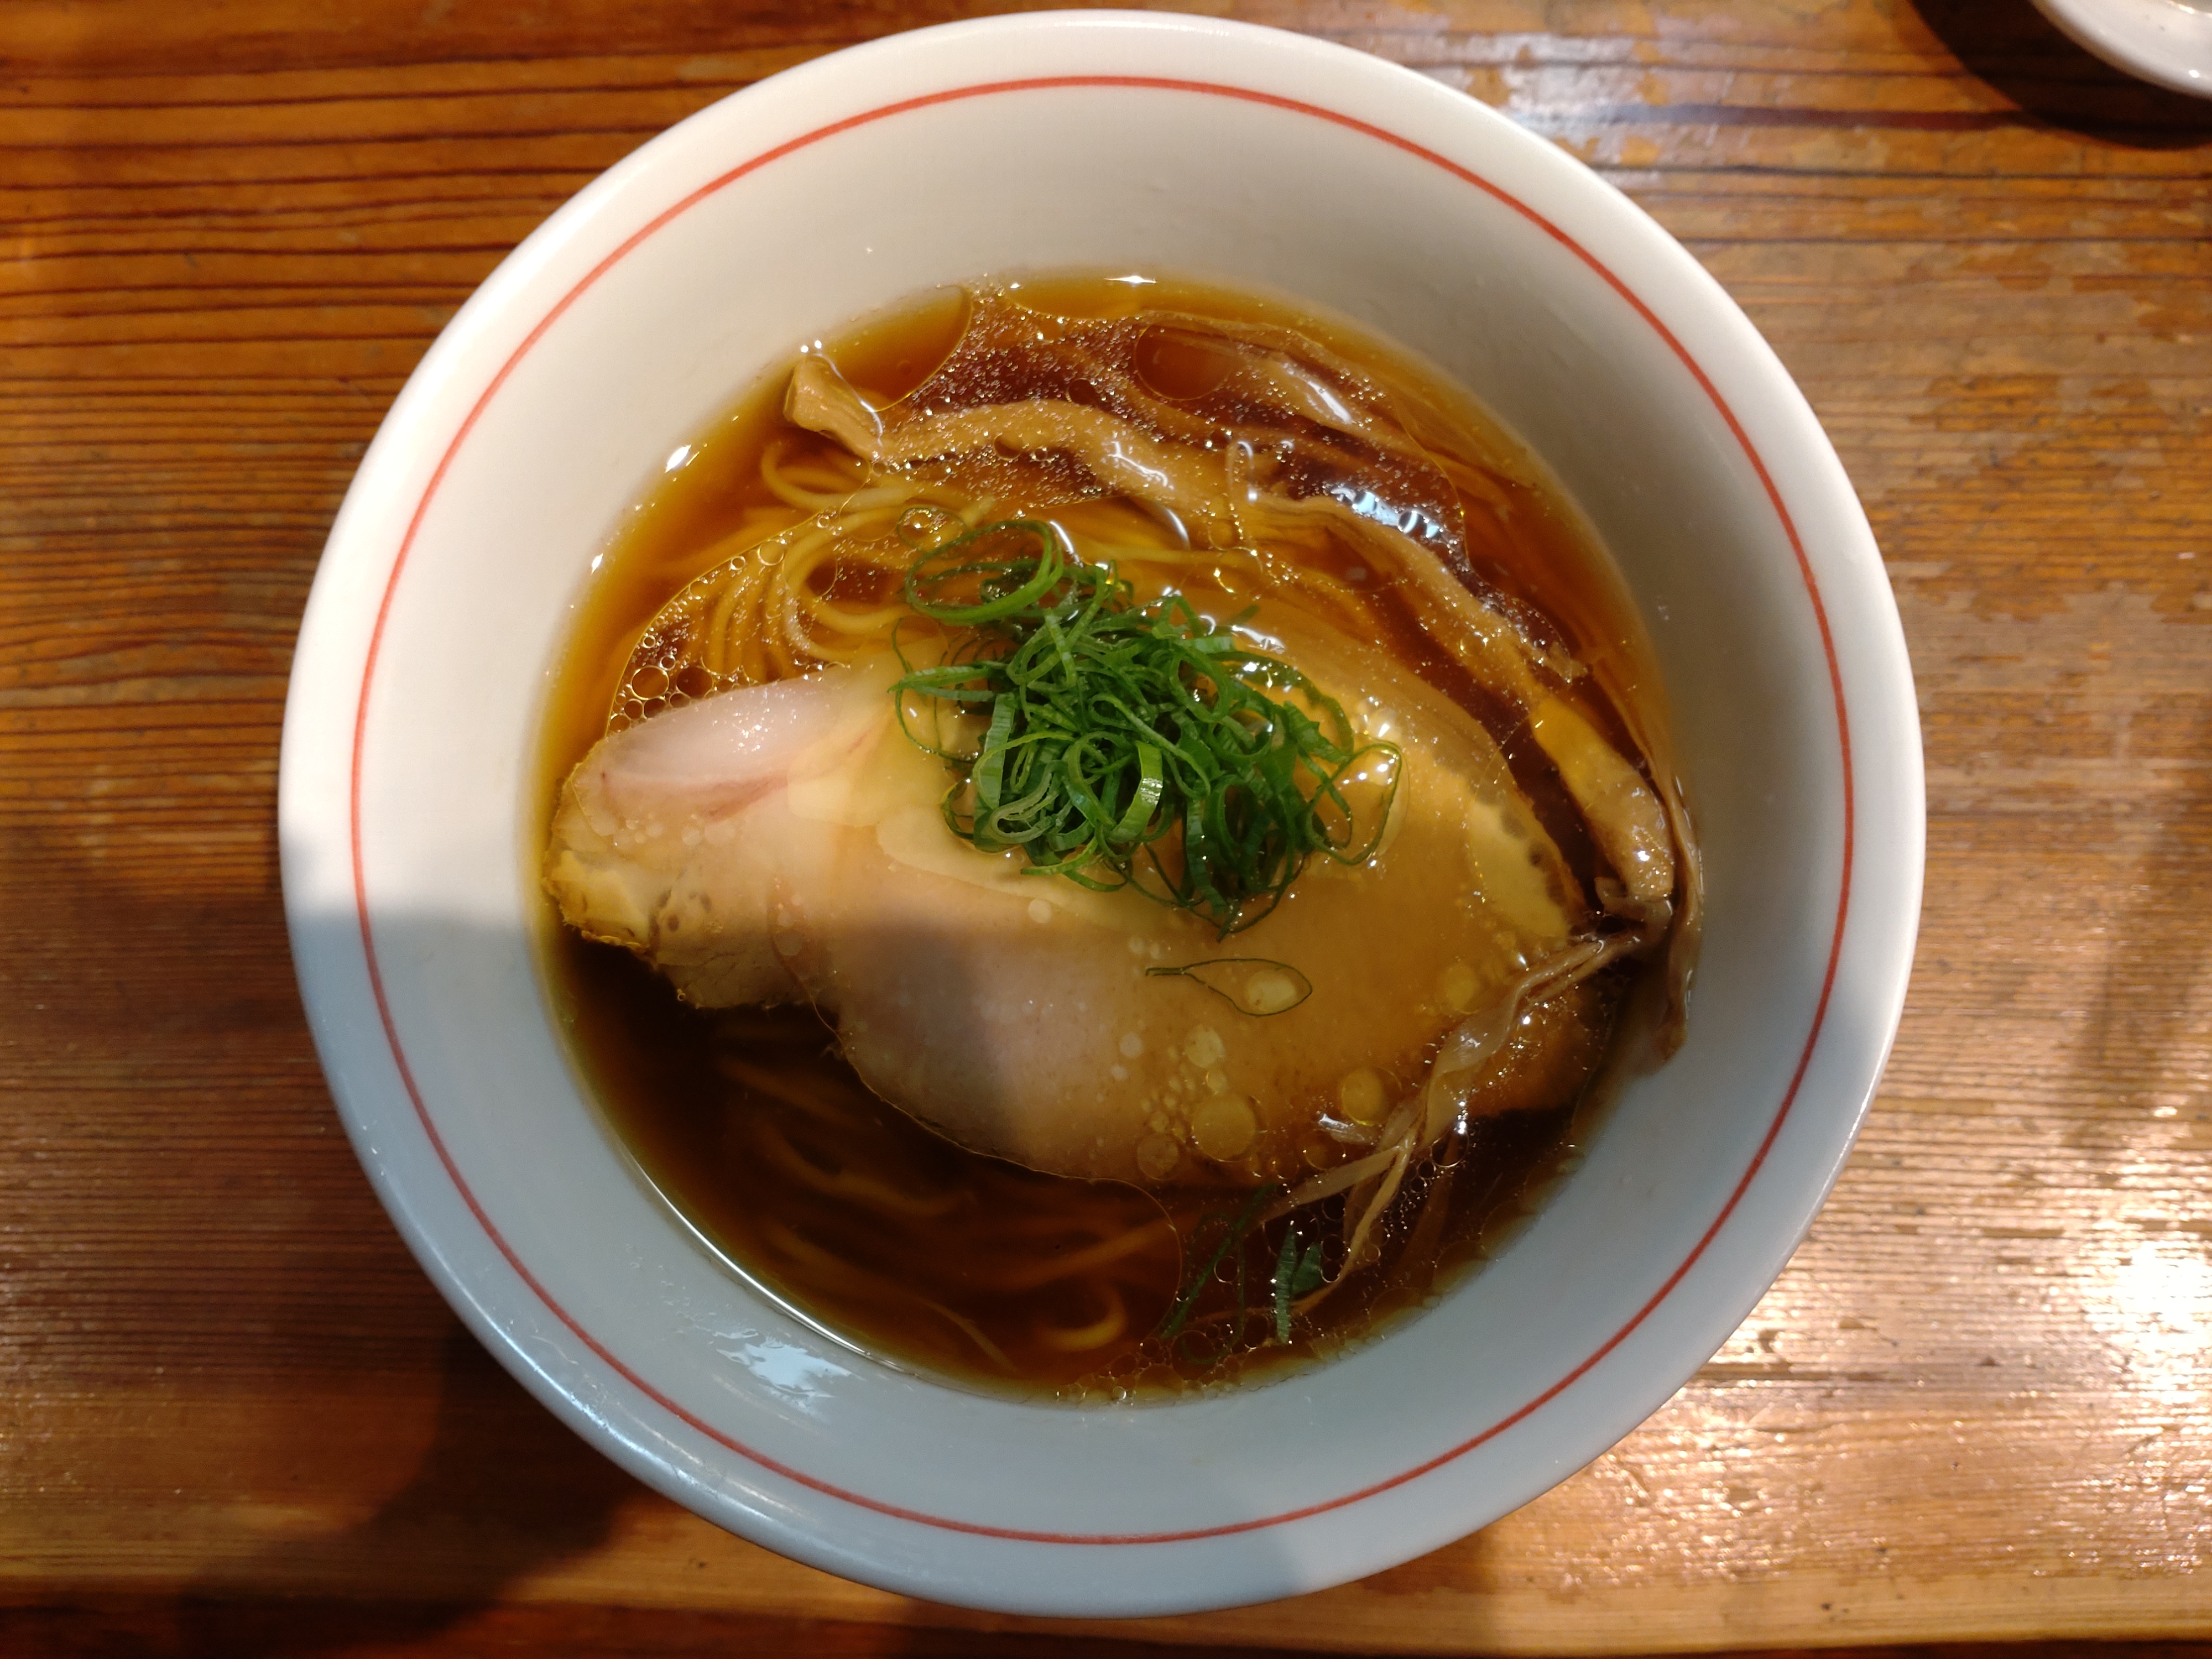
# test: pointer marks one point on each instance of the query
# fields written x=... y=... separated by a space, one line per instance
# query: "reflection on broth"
x=1106 y=828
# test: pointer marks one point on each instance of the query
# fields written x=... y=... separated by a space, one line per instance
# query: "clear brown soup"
x=756 y=1131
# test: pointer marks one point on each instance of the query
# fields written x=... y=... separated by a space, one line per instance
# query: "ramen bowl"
x=563 y=389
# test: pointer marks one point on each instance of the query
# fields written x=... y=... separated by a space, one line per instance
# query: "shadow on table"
x=2021 y=53
x=2145 y=1023
x=503 y=1490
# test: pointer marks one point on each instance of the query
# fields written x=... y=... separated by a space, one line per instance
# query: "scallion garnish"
x=1233 y=1233
x=1297 y=1273
x=1270 y=988
x=1130 y=745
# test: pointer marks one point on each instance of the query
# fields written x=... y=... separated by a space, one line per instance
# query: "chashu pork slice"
x=784 y=842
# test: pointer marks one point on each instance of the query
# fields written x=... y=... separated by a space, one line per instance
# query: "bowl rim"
x=2164 y=42
x=566 y=224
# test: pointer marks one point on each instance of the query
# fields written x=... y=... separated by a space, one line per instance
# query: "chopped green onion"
x=1205 y=973
x=1129 y=744
x=1233 y=1234
x=1295 y=1275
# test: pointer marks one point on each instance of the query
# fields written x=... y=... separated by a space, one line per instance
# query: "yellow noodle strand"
x=974 y=1333
x=1038 y=1274
x=777 y=1086
x=785 y=490
x=861 y=1190
x=1083 y=1339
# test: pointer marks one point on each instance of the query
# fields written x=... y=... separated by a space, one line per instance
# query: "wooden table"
x=1975 y=1406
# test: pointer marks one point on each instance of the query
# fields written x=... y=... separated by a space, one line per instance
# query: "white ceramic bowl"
x=2166 y=41
x=1092 y=139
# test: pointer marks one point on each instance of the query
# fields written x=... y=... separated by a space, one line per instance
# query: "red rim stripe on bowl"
x=1165 y=84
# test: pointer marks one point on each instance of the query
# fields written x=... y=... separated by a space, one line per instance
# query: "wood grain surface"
x=237 y=1418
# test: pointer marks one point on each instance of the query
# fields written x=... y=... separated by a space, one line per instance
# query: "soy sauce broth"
x=913 y=1250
